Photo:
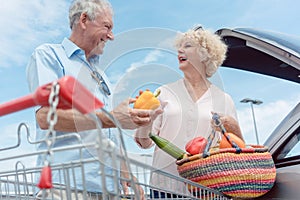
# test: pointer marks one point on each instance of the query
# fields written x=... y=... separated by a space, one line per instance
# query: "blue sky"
x=27 y=24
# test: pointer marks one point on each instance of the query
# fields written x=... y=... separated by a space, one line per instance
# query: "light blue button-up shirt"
x=48 y=63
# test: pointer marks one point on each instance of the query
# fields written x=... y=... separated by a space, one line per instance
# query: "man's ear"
x=83 y=19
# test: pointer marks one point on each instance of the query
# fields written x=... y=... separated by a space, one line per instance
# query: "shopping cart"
x=18 y=179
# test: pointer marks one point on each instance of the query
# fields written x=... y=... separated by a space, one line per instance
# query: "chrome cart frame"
x=18 y=179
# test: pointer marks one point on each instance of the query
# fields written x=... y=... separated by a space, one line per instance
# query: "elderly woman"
x=189 y=102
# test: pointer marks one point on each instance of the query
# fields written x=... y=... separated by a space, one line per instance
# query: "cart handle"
x=72 y=94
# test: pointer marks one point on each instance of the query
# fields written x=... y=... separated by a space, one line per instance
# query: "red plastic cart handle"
x=72 y=94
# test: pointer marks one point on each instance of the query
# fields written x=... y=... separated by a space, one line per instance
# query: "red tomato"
x=196 y=145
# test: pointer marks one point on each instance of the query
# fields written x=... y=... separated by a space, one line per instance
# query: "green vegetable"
x=167 y=146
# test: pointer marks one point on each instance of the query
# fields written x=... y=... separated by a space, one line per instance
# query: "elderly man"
x=91 y=26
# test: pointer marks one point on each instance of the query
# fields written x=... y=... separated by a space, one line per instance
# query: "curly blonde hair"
x=211 y=46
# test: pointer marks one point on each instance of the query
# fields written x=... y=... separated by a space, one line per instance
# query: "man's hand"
x=126 y=182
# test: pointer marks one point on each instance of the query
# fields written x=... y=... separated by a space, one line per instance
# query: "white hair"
x=91 y=7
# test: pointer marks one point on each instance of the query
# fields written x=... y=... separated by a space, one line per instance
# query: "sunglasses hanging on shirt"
x=100 y=81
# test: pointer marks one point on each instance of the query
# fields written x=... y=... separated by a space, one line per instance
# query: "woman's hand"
x=230 y=124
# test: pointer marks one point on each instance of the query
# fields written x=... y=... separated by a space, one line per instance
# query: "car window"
x=292 y=148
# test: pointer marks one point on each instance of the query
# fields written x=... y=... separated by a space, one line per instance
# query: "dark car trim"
x=283 y=146
x=261 y=52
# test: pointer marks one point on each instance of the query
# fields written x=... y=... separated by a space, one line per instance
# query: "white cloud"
x=25 y=24
x=134 y=66
x=147 y=72
x=133 y=71
x=267 y=117
x=151 y=57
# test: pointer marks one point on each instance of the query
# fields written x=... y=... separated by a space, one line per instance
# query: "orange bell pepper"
x=147 y=100
x=224 y=143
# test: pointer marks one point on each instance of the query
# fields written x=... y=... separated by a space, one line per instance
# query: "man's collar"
x=71 y=48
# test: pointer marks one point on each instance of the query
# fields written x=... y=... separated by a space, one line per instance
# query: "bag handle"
x=218 y=123
x=209 y=142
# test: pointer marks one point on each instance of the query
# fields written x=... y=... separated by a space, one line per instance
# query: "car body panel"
x=276 y=55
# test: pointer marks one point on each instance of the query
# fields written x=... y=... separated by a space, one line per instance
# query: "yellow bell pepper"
x=147 y=100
